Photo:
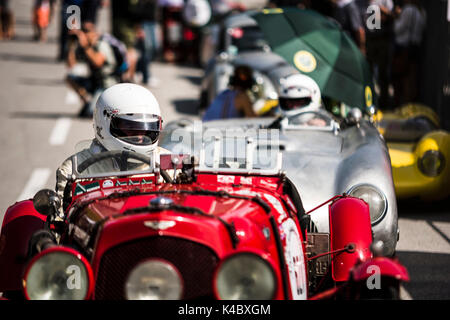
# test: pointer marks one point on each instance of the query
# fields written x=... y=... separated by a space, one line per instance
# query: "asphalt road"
x=39 y=128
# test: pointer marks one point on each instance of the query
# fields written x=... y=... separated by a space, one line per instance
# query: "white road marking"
x=433 y=236
x=72 y=98
x=60 y=131
x=36 y=182
x=404 y=294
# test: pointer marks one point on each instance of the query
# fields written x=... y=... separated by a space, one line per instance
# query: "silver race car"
x=347 y=156
x=238 y=41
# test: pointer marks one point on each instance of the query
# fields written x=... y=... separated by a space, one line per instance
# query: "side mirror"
x=47 y=202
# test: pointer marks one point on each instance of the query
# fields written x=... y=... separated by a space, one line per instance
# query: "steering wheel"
x=120 y=156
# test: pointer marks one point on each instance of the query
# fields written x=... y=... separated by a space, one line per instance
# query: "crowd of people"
x=392 y=46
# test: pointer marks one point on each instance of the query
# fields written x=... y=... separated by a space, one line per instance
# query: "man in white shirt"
x=410 y=24
x=346 y=12
x=409 y=27
x=379 y=36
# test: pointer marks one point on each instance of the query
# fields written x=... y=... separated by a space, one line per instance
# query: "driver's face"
x=138 y=138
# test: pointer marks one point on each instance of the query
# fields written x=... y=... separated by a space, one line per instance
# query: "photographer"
x=87 y=46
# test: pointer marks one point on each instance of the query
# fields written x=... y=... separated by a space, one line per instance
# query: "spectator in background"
x=6 y=21
x=124 y=28
x=346 y=12
x=409 y=27
x=87 y=46
x=89 y=10
x=172 y=26
x=65 y=15
x=145 y=13
x=42 y=13
x=379 y=40
x=234 y=101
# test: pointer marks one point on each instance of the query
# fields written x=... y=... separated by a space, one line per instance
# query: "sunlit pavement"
x=39 y=128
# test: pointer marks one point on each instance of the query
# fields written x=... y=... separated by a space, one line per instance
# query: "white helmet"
x=127 y=117
x=298 y=92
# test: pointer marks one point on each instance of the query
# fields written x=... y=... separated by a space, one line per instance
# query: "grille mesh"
x=195 y=262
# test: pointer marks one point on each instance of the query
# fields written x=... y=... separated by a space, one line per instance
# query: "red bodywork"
x=349 y=224
x=386 y=267
x=21 y=220
x=264 y=220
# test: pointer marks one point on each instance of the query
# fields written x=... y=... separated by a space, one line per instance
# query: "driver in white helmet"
x=127 y=117
x=297 y=94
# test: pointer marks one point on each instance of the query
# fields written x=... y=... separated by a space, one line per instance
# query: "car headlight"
x=58 y=273
x=154 y=279
x=374 y=198
x=432 y=163
x=245 y=276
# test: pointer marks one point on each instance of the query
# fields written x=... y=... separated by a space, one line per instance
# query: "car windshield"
x=238 y=154
x=92 y=160
x=406 y=130
x=312 y=119
x=247 y=39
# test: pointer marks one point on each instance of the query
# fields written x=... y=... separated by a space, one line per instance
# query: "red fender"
x=349 y=224
x=385 y=266
x=20 y=222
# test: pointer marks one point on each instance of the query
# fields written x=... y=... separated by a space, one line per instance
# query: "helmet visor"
x=291 y=104
x=137 y=129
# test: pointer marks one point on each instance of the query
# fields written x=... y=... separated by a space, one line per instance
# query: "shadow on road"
x=43 y=115
x=20 y=38
x=186 y=106
x=192 y=79
x=27 y=58
x=23 y=22
x=42 y=82
x=436 y=211
x=429 y=278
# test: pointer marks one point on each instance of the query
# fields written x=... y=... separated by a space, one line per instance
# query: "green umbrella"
x=317 y=47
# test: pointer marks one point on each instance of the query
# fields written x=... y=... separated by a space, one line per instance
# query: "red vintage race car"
x=188 y=228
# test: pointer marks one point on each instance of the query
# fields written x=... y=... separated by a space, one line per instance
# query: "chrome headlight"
x=432 y=163
x=58 y=274
x=245 y=276
x=154 y=279
x=374 y=198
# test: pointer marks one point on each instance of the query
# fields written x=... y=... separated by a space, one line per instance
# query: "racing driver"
x=127 y=117
x=298 y=94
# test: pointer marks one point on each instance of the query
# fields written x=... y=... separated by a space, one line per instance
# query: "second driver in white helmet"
x=300 y=94
x=127 y=117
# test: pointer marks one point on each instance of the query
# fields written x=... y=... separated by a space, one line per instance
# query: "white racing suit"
x=64 y=172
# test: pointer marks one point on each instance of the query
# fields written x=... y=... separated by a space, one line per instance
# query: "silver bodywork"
x=322 y=162
x=267 y=69
x=222 y=58
x=216 y=38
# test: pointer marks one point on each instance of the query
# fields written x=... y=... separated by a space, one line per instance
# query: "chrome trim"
x=383 y=196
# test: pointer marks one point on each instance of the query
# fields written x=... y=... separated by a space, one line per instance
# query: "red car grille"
x=195 y=262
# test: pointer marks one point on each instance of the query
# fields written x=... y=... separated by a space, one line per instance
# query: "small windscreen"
x=92 y=159
x=234 y=153
x=405 y=130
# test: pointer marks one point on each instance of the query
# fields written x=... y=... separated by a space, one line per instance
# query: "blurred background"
x=47 y=89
